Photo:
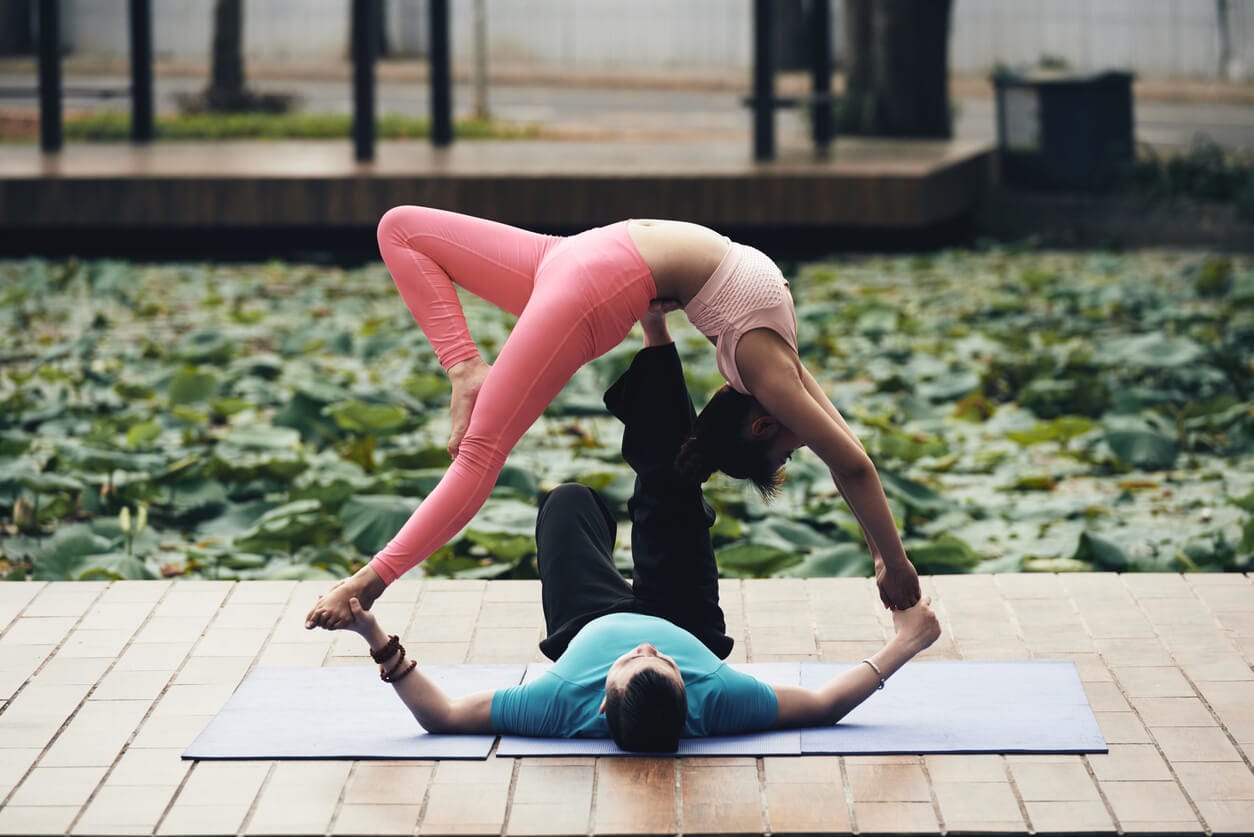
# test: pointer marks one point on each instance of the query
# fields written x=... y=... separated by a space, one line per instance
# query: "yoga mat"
x=769 y=743
x=341 y=712
x=963 y=707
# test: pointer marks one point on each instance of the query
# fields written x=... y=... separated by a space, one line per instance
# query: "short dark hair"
x=718 y=443
x=648 y=713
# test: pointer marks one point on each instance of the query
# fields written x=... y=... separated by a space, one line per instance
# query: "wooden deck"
x=558 y=185
x=105 y=684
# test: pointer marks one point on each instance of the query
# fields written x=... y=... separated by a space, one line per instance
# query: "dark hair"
x=647 y=715
x=719 y=443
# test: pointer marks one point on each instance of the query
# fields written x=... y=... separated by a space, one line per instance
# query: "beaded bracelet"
x=389 y=678
x=385 y=653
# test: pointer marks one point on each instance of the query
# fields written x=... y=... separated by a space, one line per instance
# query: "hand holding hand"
x=363 y=622
x=654 y=321
x=917 y=626
x=899 y=585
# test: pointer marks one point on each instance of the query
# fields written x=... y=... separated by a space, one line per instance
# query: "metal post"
x=441 y=76
x=141 y=71
x=365 y=28
x=821 y=74
x=50 y=134
x=763 y=81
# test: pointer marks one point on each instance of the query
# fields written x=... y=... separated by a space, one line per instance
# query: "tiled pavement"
x=105 y=684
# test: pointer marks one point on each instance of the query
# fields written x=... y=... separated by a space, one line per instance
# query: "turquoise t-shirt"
x=564 y=702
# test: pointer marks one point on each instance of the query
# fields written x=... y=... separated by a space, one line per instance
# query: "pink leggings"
x=576 y=298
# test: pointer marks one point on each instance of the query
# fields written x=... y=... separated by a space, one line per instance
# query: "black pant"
x=575 y=534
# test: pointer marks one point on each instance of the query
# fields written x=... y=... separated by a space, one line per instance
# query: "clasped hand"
x=898 y=585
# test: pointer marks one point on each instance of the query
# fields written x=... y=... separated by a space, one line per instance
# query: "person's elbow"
x=853 y=466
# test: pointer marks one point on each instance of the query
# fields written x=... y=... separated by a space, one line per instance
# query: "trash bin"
x=1064 y=131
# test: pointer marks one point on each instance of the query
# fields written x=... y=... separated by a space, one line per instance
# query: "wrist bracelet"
x=878 y=673
x=385 y=653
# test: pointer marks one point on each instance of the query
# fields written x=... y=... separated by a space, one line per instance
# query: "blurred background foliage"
x=1027 y=410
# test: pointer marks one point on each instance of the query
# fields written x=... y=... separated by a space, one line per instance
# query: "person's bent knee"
x=396 y=221
x=572 y=498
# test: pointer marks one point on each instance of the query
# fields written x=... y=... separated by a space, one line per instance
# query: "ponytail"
x=719 y=443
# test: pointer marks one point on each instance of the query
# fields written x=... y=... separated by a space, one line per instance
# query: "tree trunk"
x=226 y=76
x=15 y=28
x=855 y=64
x=897 y=73
x=1225 y=39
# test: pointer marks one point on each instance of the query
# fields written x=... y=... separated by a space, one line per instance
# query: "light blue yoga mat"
x=769 y=743
x=341 y=712
x=963 y=707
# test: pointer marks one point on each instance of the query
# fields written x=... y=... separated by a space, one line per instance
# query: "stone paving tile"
x=298 y=798
x=892 y=782
x=216 y=795
x=1150 y=806
x=157 y=767
x=978 y=806
x=451 y=810
x=1174 y=712
x=635 y=796
x=896 y=818
x=1217 y=780
x=1227 y=816
x=388 y=783
x=27 y=820
x=1069 y=817
x=1067 y=781
x=97 y=734
x=14 y=762
x=1129 y=763
x=1183 y=694
x=551 y=798
x=356 y=818
x=74 y=670
x=124 y=810
x=720 y=796
x=965 y=768
x=58 y=785
x=18 y=663
x=1194 y=744
x=805 y=796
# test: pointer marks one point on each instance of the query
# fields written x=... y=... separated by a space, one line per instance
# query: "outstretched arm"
x=916 y=629
x=775 y=376
x=433 y=709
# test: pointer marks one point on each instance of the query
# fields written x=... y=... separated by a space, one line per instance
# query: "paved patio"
x=104 y=684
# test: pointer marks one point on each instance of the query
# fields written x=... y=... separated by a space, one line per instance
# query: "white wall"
x=1151 y=37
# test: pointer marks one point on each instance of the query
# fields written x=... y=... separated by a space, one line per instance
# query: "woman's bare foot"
x=332 y=611
x=467 y=379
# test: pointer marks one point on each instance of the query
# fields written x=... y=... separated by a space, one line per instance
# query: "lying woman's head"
x=733 y=434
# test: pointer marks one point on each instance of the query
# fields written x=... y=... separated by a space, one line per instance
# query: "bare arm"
x=916 y=629
x=431 y=707
x=775 y=376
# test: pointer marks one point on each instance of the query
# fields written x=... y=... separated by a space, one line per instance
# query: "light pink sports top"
x=746 y=291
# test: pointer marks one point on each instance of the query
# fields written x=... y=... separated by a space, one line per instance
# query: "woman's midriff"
x=681 y=256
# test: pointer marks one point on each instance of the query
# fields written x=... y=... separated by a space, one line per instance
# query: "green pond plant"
x=1027 y=410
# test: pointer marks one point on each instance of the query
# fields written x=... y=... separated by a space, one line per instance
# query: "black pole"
x=50 y=134
x=141 y=71
x=441 y=76
x=365 y=22
x=821 y=74
x=763 y=81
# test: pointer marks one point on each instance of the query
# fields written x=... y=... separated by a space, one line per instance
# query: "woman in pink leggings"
x=576 y=298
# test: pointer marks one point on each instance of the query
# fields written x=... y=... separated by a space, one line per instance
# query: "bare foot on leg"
x=467 y=378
